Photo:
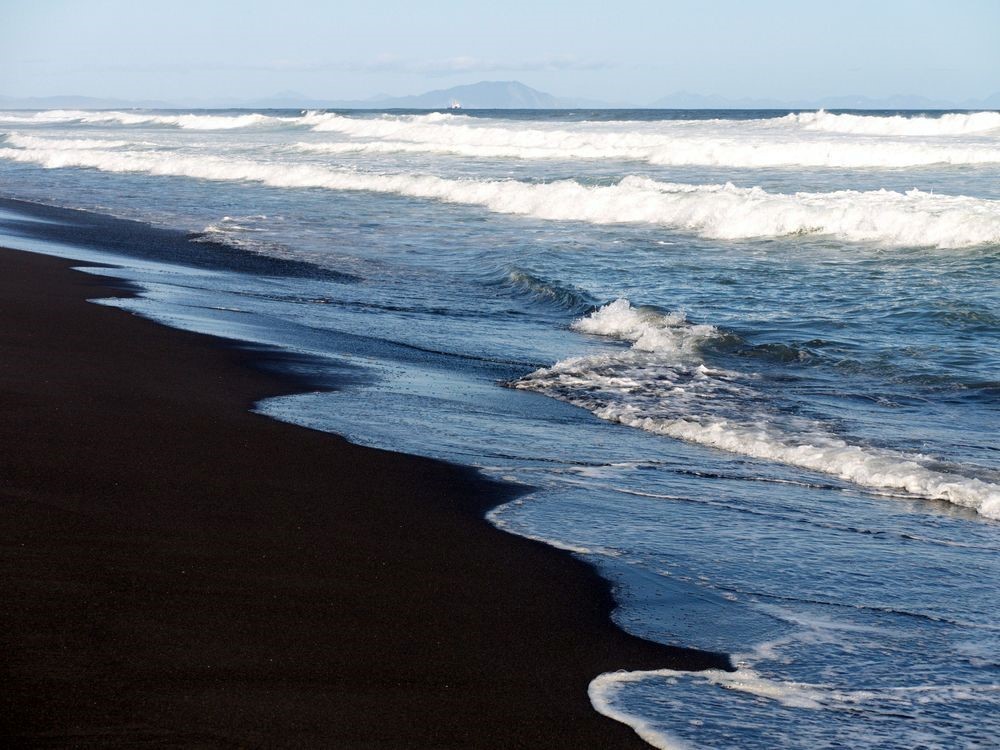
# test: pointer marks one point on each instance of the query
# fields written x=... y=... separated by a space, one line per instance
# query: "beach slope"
x=179 y=571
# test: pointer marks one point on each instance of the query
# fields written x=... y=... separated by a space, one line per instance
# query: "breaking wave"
x=316 y=120
x=911 y=219
x=665 y=143
x=821 y=139
x=678 y=152
x=646 y=329
x=235 y=231
x=186 y=121
x=661 y=385
x=921 y=125
x=65 y=144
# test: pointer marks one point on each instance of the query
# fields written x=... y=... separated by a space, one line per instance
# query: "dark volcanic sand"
x=178 y=571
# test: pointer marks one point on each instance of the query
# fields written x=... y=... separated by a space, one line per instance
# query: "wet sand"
x=178 y=571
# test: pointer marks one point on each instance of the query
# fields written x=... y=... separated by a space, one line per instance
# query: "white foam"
x=692 y=152
x=918 y=125
x=865 y=466
x=186 y=121
x=815 y=139
x=646 y=329
x=785 y=152
x=496 y=518
x=231 y=229
x=877 y=717
x=313 y=119
x=603 y=693
x=65 y=144
x=669 y=143
x=760 y=143
x=660 y=385
x=914 y=218
x=378 y=127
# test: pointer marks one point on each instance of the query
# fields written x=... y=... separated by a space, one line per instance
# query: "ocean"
x=746 y=364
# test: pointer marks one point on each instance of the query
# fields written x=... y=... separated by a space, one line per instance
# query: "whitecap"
x=911 y=219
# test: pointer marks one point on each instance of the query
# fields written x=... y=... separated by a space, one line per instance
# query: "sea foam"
x=684 y=152
x=911 y=219
x=948 y=124
x=812 y=139
x=66 y=144
x=666 y=143
x=186 y=121
x=661 y=385
x=872 y=710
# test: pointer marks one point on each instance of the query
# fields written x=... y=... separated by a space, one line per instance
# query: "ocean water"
x=748 y=362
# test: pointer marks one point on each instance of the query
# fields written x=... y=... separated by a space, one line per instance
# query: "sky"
x=622 y=50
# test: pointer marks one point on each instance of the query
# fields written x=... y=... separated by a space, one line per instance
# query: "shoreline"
x=181 y=570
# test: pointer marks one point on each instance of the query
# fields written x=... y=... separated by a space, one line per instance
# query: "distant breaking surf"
x=811 y=139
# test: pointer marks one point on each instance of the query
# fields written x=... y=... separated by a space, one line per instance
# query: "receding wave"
x=661 y=385
x=883 y=716
x=235 y=231
x=911 y=219
x=920 y=125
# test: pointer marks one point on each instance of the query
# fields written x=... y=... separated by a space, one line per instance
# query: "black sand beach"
x=178 y=571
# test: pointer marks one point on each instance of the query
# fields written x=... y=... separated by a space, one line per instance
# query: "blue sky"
x=626 y=50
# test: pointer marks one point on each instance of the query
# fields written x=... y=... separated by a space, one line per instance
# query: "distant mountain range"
x=482 y=95
x=503 y=95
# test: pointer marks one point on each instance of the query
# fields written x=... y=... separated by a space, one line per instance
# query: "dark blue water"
x=748 y=361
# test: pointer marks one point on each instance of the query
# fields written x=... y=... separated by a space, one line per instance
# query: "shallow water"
x=748 y=361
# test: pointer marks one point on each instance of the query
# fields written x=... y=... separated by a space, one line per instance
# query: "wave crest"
x=666 y=143
x=911 y=219
x=65 y=144
x=562 y=296
x=185 y=121
x=646 y=329
x=954 y=123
